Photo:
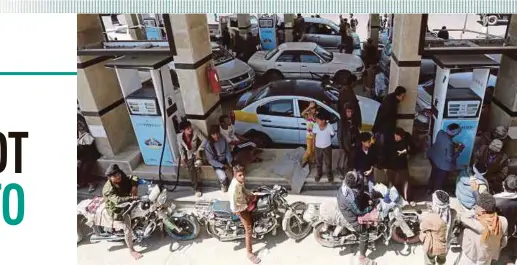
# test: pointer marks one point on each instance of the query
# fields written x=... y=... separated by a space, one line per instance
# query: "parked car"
x=117 y=33
x=301 y=60
x=234 y=75
x=494 y=19
x=272 y=114
x=425 y=92
x=325 y=33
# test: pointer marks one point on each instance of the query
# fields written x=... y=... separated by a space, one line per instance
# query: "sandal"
x=254 y=259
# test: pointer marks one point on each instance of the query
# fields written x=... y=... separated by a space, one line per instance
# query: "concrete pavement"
x=277 y=250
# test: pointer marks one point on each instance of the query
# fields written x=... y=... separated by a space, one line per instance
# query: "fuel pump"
x=459 y=105
x=153 y=106
x=267 y=32
x=152 y=29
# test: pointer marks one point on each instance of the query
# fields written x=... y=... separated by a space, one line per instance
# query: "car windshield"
x=327 y=56
x=262 y=92
x=272 y=53
x=333 y=25
x=221 y=55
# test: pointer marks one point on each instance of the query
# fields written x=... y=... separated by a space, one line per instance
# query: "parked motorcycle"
x=147 y=214
x=271 y=204
x=395 y=222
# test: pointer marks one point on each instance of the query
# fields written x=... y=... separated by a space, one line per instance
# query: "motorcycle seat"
x=222 y=209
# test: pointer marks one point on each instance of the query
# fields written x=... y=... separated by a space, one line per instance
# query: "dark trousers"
x=84 y=172
x=362 y=230
x=437 y=179
x=194 y=174
x=324 y=155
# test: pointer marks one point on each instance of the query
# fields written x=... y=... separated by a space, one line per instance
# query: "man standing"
x=496 y=163
x=364 y=159
x=370 y=53
x=386 y=121
x=470 y=184
x=347 y=96
x=242 y=204
x=485 y=233
x=298 y=28
x=191 y=143
x=323 y=141
x=347 y=41
x=348 y=134
x=506 y=203
x=443 y=155
x=353 y=22
x=119 y=189
x=435 y=229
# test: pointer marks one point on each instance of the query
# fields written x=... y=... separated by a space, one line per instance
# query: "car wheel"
x=492 y=20
x=274 y=76
x=261 y=139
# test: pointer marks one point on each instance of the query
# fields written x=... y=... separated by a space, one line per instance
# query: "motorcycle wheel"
x=292 y=226
x=399 y=237
x=189 y=225
x=80 y=228
x=322 y=241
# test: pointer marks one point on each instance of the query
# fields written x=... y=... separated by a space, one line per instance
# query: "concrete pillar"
x=405 y=65
x=135 y=20
x=504 y=103
x=289 y=25
x=99 y=94
x=244 y=24
x=202 y=107
x=374 y=26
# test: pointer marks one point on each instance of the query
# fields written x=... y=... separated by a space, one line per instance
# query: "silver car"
x=302 y=60
x=325 y=33
x=234 y=75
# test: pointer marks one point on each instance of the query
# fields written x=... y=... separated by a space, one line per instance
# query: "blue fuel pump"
x=267 y=32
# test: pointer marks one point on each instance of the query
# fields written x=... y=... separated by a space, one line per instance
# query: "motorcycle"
x=271 y=203
x=396 y=221
x=147 y=213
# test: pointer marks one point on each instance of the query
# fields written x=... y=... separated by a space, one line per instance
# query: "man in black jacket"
x=506 y=203
x=386 y=121
x=348 y=134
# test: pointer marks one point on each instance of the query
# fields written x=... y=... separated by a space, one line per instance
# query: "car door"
x=278 y=121
x=311 y=64
x=288 y=63
x=310 y=32
x=302 y=123
x=328 y=37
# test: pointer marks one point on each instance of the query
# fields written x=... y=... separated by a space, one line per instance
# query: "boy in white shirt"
x=323 y=142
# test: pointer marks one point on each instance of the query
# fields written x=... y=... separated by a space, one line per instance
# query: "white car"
x=234 y=75
x=272 y=114
x=425 y=91
x=119 y=33
x=302 y=60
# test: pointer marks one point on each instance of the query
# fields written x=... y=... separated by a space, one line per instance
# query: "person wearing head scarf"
x=435 y=229
x=500 y=133
x=496 y=162
x=87 y=155
x=471 y=183
x=443 y=155
x=485 y=233
x=506 y=203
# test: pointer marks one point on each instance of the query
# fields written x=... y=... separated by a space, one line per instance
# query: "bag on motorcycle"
x=371 y=218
